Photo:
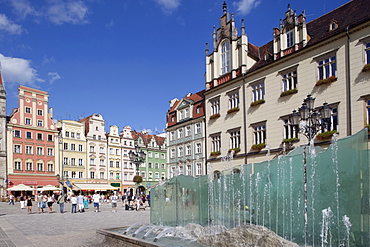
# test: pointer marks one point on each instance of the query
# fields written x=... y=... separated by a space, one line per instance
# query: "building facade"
x=114 y=157
x=251 y=91
x=128 y=169
x=32 y=141
x=185 y=136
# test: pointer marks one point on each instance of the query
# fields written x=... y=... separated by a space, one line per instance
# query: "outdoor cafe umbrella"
x=21 y=187
x=48 y=188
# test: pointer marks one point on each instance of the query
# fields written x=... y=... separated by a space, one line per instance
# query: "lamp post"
x=137 y=157
x=309 y=121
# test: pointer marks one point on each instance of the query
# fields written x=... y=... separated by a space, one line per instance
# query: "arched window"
x=225 y=57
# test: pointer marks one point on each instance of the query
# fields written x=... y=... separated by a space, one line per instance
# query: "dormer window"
x=333 y=25
x=225 y=57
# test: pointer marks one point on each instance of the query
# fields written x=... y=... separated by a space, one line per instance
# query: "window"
x=67 y=133
x=289 y=130
x=156 y=155
x=156 y=175
x=180 y=133
x=233 y=99
x=78 y=135
x=80 y=162
x=367 y=52
x=99 y=137
x=28 y=110
x=150 y=165
x=72 y=134
x=50 y=167
x=198 y=148
x=65 y=146
x=101 y=150
x=181 y=151
x=73 y=147
x=215 y=106
x=187 y=131
x=258 y=91
x=101 y=175
x=197 y=110
x=110 y=150
x=92 y=162
x=188 y=150
x=235 y=139
x=162 y=166
x=92 y=174
x=92 y=149
x=198 y=128
x=172 y=154
x=73 y=161
x=327 y=67
x=225 y=58
x=73 y=174
x=17 y=149
x=80 y=174
x=17 y=165
x=289 y=39
x=39 y=151
x=65 y=174
x=188 y=170
x=333 y=122
x=111 y=175
x=199 y=169
x=80 y=149
x=289 y=80
x=156 y=166
x=28 y=166
x=111 y=163
x=125 y=165
x=102 y=162
x=163 y=156
x=65 y=161
x=216 y=143
x=39 y=136
x=50 y=152
x=50 y=138
x=117 y=151
x=368 y=111
x=40 y=123
x=259 y=132
x=118 y=176
x=28 y=135
x=117 y=164
x=28 y=149
x=39 y=112
x=40 y=167
x=94 y=137
x=17 y=133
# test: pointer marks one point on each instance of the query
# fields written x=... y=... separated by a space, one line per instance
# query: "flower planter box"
x=258 y=102
x=295 y=139
x=236 y=150
x=328 y=80
x=235 y=109
x=258 y=146
x=214 y=116
x=215 y=153
x=325 y=135
x=366 y=68
x=289 y=92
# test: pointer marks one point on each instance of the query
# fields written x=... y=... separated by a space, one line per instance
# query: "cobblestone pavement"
x=17 y=228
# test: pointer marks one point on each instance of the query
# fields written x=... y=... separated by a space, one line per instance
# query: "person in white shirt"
x=80 y=202
x=74 y=203
x=96 y=199
x=114 y=199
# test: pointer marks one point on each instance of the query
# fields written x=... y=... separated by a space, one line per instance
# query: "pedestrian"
x=74 y=203
x=86 y=202
x=39 y=199
x=61 y=201
x=114 y=199
x=50 y=202
x=101 y=199
x=96 y=199
x=80 y=203
x=22 y=201
x=29 y=204
x=11 y=199
x=148 y=198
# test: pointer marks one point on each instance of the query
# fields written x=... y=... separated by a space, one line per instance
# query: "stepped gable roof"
x=348 y=15
x=160 y=140
x=196 y=97
x=147 y=138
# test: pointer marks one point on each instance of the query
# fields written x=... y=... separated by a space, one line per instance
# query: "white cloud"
x=245 y=6
x=9 y=26
x=168 y=5
x=23 y=8
x=47 y=60
x=18 y=71
x=60 y=12
x=53 y=76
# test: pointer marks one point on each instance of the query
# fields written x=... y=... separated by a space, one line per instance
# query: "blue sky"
x=124 y=59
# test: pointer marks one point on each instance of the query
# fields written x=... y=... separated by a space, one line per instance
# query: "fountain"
x=270 y=194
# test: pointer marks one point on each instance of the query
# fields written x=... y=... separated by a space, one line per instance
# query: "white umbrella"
x=21 y=187
x=48 y=188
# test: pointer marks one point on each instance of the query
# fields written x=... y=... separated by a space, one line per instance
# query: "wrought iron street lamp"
x=137 y=157
x=308 y=121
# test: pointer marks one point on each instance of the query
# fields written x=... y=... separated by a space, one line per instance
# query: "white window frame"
x=233 y=99
x=258 y=91
x=327 y=67
x=234 y=138
x=259 y=133
x=215 y=106
x=289 y=80
x=225 y=58
x=216 y=142
x=289 y=38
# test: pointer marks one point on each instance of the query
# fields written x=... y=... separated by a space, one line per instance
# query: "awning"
x=20 y=187
x=48 y=188
x=94 y=186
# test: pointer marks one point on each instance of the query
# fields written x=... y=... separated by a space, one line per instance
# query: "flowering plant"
x=137 y=179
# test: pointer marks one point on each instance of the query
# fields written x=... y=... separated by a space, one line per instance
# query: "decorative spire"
x=243 y=27
x=207 y=50
x=224 y=7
